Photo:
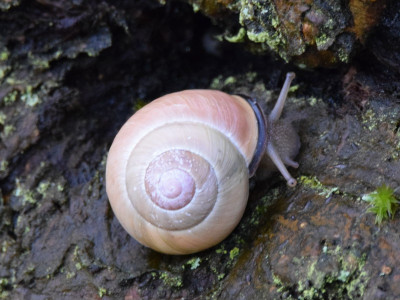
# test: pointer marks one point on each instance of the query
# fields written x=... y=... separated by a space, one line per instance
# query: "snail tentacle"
x=273 y=154
x=277 y=110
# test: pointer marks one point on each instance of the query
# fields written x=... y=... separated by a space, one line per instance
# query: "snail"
x=177 y=173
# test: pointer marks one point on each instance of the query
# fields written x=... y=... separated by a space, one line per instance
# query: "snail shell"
x=177 y=172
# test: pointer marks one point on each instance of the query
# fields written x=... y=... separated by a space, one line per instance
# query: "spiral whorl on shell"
x=180 y=185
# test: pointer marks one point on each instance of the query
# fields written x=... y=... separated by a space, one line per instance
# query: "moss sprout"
x=383 y=203
x=233 y=253
x=194 y=263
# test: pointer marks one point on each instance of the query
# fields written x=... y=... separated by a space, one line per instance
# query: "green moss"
x=315 y=275
x=220 y=82
x=358 y=284
x=323 y=41
x=370 y=119
x=238 y=38
x=38 y=62
x=30 y=99
x=234 y=253
x=343 y=55
x=220 y=276
x=60 y=187
x=23 y=193
x=302 y=66
x=310 y=293
x=382 y=203
x=262 y=208
x=294 y=88
x=221 y=250
x=376 y=119
x=275 y=22
x=75 y=254
x=8 y=129
x=43 y=187
x=396 y=152
x=3 y=282
x=348 y=282
x=315 y=184
x=251 y=76
x=196 y=7
x=10 y=97
x=78 y=266
x=81 y=258
x=4 y=54
x=171 y=280
x=3 y=71
x=139 y=103
x=265 y=28
x=216 y=83
x=194 y=263
x=4 y=246
x=3 y=166
x=101 y=292
x=230 y=80
x=279 y=284
x=313 y=101
x=2 y=118
x=343 y=275
x=272 y=40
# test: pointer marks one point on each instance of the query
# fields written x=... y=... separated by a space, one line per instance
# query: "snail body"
x=178 y=171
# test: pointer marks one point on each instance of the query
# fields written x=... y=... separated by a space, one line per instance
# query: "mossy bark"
x=308 y=33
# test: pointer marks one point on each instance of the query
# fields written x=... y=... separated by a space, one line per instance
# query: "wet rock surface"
x=321 y=243
x=71 y=73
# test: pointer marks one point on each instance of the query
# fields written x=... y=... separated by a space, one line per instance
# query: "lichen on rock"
x=309 y=33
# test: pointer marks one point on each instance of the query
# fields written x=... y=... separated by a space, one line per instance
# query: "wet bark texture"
x=72 y=72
